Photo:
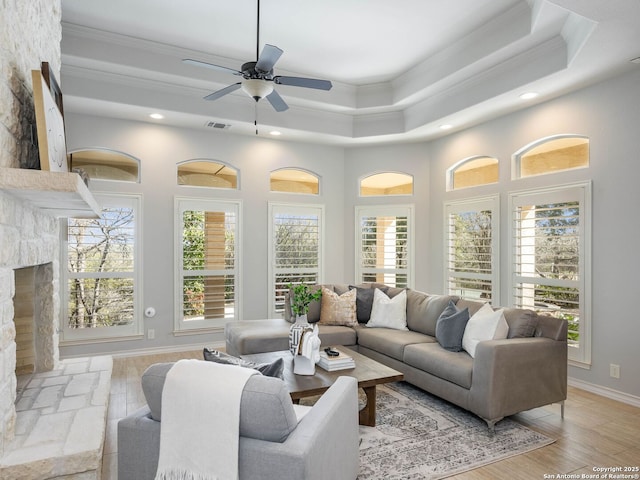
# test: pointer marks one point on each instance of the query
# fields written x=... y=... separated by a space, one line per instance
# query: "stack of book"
x=341 y=362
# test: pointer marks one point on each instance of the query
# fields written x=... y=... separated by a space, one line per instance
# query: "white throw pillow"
x=389 y=312
x=485 y=324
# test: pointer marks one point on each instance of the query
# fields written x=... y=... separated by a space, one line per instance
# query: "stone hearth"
x=60 y=424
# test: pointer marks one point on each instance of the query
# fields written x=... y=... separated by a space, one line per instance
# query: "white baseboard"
x=605 y=392
x=157 y=350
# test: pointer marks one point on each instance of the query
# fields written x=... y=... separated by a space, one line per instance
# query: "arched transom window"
x=294 y=180
x=106 y=164
x=473 y=171
x=386 y=183
x=550 y=155
x=207 y=173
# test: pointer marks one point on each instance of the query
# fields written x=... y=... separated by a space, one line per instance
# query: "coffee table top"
x=368 y=372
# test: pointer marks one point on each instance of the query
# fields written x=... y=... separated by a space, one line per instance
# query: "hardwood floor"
x=596 y=431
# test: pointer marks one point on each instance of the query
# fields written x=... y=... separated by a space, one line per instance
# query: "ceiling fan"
x=258 y=77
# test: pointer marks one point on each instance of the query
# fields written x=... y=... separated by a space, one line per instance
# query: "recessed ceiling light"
x=446 y=126
x=157 y=116
x=275 y=133
x=528 y=95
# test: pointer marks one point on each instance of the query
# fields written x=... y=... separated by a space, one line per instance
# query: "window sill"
x=197 y=331
x=86 y=341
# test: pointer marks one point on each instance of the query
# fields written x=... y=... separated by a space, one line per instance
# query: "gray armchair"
x=273 y=443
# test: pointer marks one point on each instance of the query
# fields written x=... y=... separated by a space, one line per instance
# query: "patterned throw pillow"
x=338 y=309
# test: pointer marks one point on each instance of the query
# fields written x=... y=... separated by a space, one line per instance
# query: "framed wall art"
x=50 y=127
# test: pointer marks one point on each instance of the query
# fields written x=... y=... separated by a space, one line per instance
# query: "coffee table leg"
x=368 y=413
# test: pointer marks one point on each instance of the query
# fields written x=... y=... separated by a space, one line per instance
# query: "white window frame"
x=382 y=211
x=478 y=204
x=581 y=192
x=193 y=327
x=71 y=336
x=276 y=208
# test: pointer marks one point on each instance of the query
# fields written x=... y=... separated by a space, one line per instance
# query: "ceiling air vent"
x=218 y=125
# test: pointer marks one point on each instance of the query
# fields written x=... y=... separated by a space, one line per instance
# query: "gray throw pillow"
x=364 y=301
x=273 y=369
x=450 y=327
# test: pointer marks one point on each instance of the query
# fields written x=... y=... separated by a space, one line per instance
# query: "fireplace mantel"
x=60 y=194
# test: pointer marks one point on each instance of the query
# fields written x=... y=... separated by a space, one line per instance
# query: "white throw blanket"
x=199 y=433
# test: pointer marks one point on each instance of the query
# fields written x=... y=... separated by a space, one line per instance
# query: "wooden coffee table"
x=368 y=372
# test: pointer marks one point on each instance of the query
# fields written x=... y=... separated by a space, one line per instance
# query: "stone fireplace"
x=32 y=314
x=52 y=412
x=30 y=238
x=56 y=428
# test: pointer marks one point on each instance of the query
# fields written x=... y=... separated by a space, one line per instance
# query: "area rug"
x=420 y=436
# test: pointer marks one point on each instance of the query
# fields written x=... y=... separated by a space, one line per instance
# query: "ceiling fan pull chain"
x=255 y=116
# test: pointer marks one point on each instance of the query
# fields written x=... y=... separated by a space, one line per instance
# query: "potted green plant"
x=301 y=297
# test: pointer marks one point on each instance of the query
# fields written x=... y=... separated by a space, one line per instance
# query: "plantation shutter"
x=384 y=245
x=472 y=249
x=549 y=247
x=296 y=248
x=207 y=263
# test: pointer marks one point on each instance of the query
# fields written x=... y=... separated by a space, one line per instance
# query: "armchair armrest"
x=325 y=444
x=517 y=374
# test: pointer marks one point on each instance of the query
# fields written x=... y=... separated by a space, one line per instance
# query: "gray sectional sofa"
x=528 y=369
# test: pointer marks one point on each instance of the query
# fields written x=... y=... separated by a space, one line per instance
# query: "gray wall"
x=160 y=148
x=607 y=113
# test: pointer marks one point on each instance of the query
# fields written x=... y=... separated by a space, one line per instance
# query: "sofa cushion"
x=388 y=312
x=423 y=310
x=273 y=369
x=364 y=301
x=338 y=309
x=389 y=341
x=472 y=305
x=152 y=384
x=485 y=324
x=450 y=327
x=522 y=322
x=257 y=336
x=455 y=367
x=337 y=335
x=266 y=410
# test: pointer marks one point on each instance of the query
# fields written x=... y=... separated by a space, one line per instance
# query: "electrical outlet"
x=614 y=370
x=151 y=334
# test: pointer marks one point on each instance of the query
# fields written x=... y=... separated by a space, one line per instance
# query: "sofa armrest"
x=517 y=374
x=138 y=446
x=325 y=444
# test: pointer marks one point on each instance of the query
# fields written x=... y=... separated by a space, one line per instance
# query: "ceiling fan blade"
x=303 y=82
x=268 y=58
x=198 y=63
x=222 y=92
x=277 y=102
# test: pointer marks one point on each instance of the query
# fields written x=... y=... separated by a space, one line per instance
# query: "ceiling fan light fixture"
x=257 y=88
